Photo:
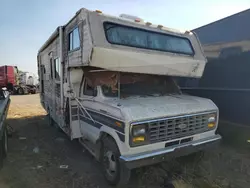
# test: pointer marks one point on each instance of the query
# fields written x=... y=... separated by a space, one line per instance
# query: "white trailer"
x=108 y=81
x=28 y=78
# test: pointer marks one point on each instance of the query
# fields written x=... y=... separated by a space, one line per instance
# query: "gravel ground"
x=37 y=151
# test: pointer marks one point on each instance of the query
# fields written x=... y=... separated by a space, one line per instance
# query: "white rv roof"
x=140 y=21
x=126 y=58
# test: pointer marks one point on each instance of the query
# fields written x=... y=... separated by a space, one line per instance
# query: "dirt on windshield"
x=43 y=157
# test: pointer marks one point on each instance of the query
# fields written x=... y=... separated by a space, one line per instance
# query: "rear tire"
x=52 y=123
x=114 y=172
x=20 y=91
x=50 y=120
x=33 y=92
x=33 y=89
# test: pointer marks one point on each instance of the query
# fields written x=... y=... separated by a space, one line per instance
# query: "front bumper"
x=157 y=156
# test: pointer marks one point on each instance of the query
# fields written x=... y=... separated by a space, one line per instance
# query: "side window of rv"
x=57 y=69
x=51 y=68
x=74 y=39
x=89 y=90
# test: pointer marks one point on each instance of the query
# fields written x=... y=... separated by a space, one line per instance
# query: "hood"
x=143 y=108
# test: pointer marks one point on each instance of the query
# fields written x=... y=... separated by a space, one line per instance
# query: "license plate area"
x=178 y=142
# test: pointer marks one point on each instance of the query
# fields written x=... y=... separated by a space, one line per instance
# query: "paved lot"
x=37 y=150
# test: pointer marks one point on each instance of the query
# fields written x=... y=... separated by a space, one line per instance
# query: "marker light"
x=118 y=124
x=160 y=26
x=98 y=11
x=188 y=32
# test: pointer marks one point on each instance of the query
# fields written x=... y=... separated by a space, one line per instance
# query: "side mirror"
x=16 y=69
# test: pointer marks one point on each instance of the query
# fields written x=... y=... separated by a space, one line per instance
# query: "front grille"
x=177 y=127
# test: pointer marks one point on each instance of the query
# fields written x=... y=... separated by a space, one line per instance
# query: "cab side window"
x=89 y=90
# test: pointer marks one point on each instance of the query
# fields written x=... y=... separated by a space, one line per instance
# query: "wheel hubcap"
x=110 y=163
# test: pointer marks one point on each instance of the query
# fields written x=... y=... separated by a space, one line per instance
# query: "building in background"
x=226 y=79
x=227 y=36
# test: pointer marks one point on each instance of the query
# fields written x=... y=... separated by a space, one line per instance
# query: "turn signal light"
x=118 y=124
x=211 y=125
x=139 y=139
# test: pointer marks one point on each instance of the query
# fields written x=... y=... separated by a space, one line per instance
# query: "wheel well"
x=99 y=142
x=104 y=134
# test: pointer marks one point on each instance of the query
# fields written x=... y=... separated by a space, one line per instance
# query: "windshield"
x=141 y=85
x=135 y=37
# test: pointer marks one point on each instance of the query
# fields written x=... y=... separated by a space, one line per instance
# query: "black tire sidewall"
x=20 y=91
x=109 y=144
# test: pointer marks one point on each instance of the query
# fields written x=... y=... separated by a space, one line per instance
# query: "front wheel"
x=114 y=172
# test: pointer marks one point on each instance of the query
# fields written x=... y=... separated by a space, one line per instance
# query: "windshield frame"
x=149 y=31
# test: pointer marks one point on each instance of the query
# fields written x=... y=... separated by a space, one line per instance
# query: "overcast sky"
x=26 y=24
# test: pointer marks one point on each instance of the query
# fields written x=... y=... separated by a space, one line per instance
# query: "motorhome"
x=109 y=82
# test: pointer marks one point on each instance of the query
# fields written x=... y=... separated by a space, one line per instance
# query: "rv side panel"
x=49 y=60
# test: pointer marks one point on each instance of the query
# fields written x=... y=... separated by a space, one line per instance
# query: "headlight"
x=138 y=134
x=139 y=130
x=212 y=119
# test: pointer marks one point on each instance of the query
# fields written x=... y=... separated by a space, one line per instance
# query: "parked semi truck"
x=16 y=82
x=109 y=82
x=4 y=106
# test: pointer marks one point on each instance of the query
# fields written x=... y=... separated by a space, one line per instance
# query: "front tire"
x=114 y=172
